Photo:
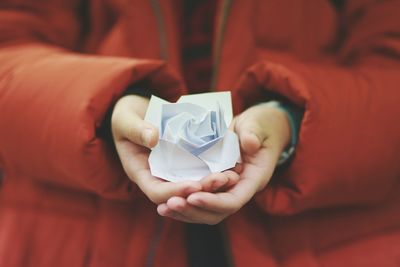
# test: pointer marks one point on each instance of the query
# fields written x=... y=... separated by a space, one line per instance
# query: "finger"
x=159 y=191
x=250 y=134
x=232 y=125
x=233 y=178
x=216 y=181
x=164 y=211
x=247 y=131
x=130 y=126
x=127 y=124
x=225 y=202
x=136 y=165
x=273 y=125
x=185 y=210
x=238 y=168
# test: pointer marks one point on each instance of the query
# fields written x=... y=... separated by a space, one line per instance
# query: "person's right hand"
x=133 y=138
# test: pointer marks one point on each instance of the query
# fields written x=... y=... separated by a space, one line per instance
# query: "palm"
x=263 y=132
x=133 y=137
x=134 y=158
x=258 y=167
x=211 y=208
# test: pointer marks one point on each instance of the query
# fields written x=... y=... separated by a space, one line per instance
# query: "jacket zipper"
x=151 y=256
x=226 y=6
x=162 y=32
x=227 y=245
x=163 y=42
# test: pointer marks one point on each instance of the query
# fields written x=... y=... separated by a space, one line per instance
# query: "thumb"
x=138 y=131
x=263 y=125
x=128 y=125
x=250 y=132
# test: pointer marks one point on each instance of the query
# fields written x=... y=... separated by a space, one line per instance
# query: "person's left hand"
x=263 y=132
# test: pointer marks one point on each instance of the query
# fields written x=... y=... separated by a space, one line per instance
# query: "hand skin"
x=133 y=138
x=263 y=132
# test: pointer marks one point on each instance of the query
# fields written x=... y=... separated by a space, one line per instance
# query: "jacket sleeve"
x=53 y=101
x=349 y=142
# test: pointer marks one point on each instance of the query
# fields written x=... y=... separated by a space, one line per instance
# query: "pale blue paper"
x=194 y=136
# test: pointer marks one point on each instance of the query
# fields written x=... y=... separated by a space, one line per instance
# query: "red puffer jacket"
x=64 y=199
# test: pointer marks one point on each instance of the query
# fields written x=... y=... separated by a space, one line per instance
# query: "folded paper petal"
x=224 y=154
x=194 y=136
x=177 y=164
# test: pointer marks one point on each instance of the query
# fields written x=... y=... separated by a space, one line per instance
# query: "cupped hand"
x=263 y=132
x=133 y=138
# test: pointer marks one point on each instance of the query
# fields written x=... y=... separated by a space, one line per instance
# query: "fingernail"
x=146 y=136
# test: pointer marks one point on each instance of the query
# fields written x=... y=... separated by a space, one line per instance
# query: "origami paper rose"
x=194 y=137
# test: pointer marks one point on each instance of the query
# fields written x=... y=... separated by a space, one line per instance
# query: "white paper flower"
x=194 y=138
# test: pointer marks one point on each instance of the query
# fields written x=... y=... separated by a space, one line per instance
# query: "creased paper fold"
x=194 y=136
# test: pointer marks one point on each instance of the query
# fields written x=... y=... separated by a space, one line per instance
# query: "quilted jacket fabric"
x=64 y=199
